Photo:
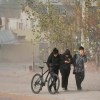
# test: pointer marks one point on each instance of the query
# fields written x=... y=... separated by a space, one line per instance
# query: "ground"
x=15 y=84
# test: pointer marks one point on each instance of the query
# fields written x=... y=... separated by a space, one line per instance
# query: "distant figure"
x=54 y=62
x=78 y=62
x=65 y=67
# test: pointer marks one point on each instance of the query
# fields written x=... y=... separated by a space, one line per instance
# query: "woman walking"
x=65 y=67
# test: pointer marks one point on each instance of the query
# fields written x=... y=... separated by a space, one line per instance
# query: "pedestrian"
x=65 y=67
x=53 y=63
x=79 y=71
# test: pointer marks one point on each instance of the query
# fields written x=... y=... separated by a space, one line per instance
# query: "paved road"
x=16 y=81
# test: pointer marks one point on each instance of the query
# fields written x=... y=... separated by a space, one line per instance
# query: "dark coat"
x=64 y=58
x=53 y=61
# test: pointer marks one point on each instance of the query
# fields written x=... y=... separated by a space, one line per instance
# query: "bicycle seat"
x=45 y=62
x=41 y=67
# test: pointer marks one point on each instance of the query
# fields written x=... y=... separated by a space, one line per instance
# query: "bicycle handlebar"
x=45 y=62
x=52 y=64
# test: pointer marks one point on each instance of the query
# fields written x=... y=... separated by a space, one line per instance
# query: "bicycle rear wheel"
x=53 y=84
x=36 y=83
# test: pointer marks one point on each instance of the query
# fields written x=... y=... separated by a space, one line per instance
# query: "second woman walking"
x=65 y=67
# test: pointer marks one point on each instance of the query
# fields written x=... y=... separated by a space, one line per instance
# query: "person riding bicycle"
x=53 y=63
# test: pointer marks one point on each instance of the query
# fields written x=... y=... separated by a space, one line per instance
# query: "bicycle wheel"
x=53 y=84
x=36 y=83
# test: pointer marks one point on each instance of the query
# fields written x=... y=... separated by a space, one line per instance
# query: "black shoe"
x=65 y=89
x=57 y=92
x=79 y=89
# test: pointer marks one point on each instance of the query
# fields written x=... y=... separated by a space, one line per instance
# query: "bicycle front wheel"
x=53 y=84
x=36 y=83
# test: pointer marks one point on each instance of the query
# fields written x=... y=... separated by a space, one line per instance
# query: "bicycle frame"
x=46 y=76
x=39 y=81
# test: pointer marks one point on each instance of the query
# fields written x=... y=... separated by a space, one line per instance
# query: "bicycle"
x=38 y=81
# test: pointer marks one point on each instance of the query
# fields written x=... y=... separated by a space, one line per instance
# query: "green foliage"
x=57 y=25
x=57 y=28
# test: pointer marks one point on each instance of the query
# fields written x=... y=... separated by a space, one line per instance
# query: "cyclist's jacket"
x=53 y=61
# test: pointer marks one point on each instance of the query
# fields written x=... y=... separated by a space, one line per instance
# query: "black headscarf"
x=55 y=51
x=67 y=52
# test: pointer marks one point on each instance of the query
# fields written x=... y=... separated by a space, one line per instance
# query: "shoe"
x=79 y=89
x=65 y=89
x=57 y=92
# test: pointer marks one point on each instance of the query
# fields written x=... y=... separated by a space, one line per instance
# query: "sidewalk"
x=6 y=96
x=15 y=84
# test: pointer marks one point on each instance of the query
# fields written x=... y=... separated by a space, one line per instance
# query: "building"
x=7 y=37
x=21 y=23
x=9 y=9
x=14 y=19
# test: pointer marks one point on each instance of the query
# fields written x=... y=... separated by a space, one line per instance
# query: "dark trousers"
x=54 y=71
x=79 y=78
x=65 y=75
